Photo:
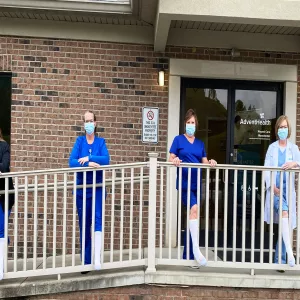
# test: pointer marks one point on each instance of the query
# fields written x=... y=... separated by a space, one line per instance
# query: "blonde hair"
x=278 y=123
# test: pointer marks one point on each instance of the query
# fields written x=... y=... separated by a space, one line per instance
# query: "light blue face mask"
x=283 y=133
x=89 y=128
x=190 y=129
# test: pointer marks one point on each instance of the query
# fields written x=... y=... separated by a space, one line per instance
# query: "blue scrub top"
x=188 y=153
x=97 y=152
x=281 y=161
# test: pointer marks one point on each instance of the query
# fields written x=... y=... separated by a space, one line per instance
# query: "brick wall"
x=175 y=293
x=55 y=81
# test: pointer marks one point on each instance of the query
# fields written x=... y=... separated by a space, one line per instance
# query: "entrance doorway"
x=236 y=123
x=5 y=105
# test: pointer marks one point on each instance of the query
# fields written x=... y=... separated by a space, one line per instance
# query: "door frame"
x=231 y=86
x=287 y=74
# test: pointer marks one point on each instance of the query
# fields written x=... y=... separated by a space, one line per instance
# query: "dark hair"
x=89 y=111
x=191 y=113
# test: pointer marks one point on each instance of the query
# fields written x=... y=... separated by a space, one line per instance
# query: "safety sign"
x=150 y=125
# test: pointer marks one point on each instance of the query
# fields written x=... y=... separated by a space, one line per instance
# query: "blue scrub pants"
x=2 y=221
x=88 y=221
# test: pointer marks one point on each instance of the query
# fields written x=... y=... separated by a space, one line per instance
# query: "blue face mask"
x=283 y=133
x=190 y=129
x=89 y=128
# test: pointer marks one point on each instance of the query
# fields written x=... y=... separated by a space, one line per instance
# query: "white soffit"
x=78 y=31
x=229 y=40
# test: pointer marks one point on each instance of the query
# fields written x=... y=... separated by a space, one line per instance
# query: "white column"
x=152 y=212
x=173 y=130
x=290 y=106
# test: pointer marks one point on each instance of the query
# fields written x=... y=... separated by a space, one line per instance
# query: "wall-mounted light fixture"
x=161 y=78
x=235 y=52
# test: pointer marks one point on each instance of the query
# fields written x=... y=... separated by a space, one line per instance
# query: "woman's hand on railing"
x=289 y=165
x=176 y=161
x=83 y=160
x=94 y=165
x=212 y=162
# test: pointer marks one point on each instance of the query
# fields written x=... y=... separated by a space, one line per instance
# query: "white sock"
x=2 y=247
x=194 y=229
x=286 y=238
x=98 y=242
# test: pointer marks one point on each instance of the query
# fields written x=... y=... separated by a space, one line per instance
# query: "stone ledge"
x=164 y=276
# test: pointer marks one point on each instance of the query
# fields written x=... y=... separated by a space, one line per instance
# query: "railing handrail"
x=72 y=170
x=227 y=166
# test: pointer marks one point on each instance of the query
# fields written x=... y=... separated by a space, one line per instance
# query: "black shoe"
x=280 y=271
x=85 y=272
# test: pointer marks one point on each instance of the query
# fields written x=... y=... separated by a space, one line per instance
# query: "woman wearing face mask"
x=187 y=149
x=285 y=155
x=90 y=151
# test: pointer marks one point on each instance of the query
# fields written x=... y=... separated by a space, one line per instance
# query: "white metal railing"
x=232 y=230
x=44 y=236
x=143 y=218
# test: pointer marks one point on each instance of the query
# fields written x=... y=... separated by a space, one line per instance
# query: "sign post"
x=150 y=125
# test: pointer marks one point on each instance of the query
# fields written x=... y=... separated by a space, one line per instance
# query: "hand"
x=289 y=165
x=212 y=162
x=83 y=160
x=276 y=191
x=176 y=161
x=94 y=165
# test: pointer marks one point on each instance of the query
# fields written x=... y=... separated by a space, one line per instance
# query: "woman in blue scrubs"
x=187 y=149
x=282 y=154
x=4 y=168
x=90 y=151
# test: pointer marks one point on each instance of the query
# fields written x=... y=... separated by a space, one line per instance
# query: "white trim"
x=227 y=70
x=290 y=106
x=232 y=70
x=123 y=7
x=266 y=12
x=77 y=31
x=173 y=130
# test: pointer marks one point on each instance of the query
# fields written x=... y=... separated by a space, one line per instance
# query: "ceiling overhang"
x=258 y=12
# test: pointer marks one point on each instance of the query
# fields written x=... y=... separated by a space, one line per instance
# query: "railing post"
x=152 y=211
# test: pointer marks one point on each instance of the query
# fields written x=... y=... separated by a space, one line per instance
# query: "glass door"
x=256 y=108
x=209 y=99
x=236 y=124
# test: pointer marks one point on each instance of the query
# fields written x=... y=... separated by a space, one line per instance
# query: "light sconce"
x=161 y=78
x=235 y=52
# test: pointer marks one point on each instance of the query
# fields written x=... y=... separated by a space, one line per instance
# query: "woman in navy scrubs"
x=187 y=149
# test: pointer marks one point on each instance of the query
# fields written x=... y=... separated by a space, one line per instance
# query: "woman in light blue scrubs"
x=187 y=149
x=285 y=155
